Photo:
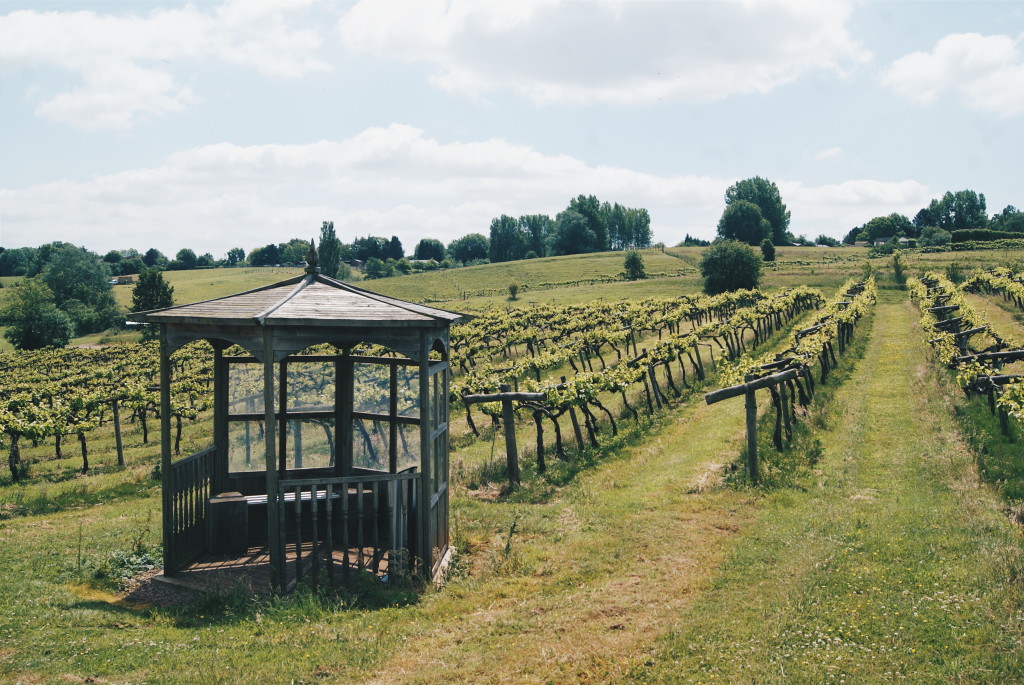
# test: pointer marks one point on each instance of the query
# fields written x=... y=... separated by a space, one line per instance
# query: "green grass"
x=532 y=275
x=206 y=284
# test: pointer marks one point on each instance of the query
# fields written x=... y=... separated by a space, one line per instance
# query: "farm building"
x=325 y=463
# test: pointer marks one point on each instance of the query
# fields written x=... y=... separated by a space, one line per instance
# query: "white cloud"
x=615 y=51
x=833 y=209
x=828 y=153
x=127 y=62
x=987 y=72
x=385 y=181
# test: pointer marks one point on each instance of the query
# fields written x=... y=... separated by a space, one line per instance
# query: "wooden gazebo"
x=319 y=463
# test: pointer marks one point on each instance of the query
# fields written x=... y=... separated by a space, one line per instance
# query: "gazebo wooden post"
x=220 y=419
x=274 y=539
x=426 y=475
x=165 y=450
x=343 y=401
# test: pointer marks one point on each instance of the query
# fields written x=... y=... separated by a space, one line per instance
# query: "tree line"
x=961 y=210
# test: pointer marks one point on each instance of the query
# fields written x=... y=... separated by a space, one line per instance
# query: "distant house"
x=122 y=280
x=902 y=241
x=860 y=243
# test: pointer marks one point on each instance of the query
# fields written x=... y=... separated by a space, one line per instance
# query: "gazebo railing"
x=364 y=523
x=190 y=482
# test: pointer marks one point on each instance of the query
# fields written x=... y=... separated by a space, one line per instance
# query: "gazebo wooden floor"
x=224 y=572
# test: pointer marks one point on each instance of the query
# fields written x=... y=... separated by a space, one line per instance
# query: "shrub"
x=768 y=250
x=729 y=265
x=634 y=266
x=982 y=235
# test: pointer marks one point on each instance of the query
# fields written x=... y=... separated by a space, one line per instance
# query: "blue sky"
x=211 y=125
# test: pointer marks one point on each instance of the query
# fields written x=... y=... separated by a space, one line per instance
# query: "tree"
x=538 y=229
x=933 y=235
x=638 y=227
x=764 y=194
x=827 y=241
x=691 y=241
x=132 y=265
x=429 y=248
x=634 y=266
x=768 y=250
x=16 y=262
x=80 y=282
x=924 y=217
x=885 y=227
x=364 y=249
x=268 y=255
x=614 y=216
x=394 y=249
x=853 y=236
x=573 y=234
x=469 y=248
x=590 y=208
x=1010 y=220
x=235 y=255
x=377 y=268
x=628 y=228
x=729 y=265
x=743 y=221
x=508 y=242
x=187 y=258
x=34 y=322
x=958 y=211
x=151 y=291
x=294 y=251
x=154 y=257
x=330 y=250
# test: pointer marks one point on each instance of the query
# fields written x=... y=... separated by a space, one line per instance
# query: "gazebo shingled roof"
x=309 y=300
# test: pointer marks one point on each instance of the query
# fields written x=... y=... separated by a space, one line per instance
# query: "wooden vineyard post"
x=117 y=434
x=748 y=389
x=508 y=417
x=750 y=404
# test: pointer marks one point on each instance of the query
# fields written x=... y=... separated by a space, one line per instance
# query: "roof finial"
x=312 y=259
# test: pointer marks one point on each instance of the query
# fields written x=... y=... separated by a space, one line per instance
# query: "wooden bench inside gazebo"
x=320 y=464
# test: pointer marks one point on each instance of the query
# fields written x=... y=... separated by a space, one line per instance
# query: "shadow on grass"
x=364 y=592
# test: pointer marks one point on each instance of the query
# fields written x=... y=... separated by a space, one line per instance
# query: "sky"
x=212 y=125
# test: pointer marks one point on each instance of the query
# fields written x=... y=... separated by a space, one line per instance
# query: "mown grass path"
x=895 y=565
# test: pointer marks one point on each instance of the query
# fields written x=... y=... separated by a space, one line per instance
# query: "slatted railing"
x=351 y=524
x=190 y=484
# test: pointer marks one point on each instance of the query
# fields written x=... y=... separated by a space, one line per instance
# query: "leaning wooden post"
x=117 y=434
x=750 y=404
x=508 y=417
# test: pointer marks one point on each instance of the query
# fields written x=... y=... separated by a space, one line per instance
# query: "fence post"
x=751 y=406
x=508 y=417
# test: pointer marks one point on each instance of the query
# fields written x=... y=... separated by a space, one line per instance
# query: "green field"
x=873 y=552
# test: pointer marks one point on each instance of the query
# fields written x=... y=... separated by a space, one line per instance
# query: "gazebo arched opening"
x=329 y=449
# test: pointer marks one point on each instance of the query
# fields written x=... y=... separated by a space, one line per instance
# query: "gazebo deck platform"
x=225 y=572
